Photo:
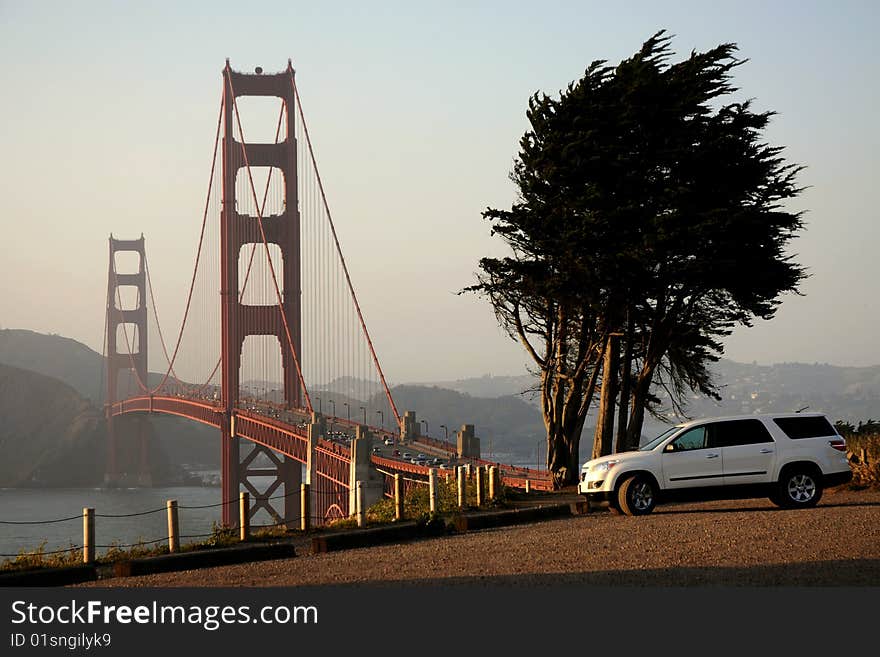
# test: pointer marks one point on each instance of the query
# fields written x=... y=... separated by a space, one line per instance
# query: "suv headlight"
x=604 y=466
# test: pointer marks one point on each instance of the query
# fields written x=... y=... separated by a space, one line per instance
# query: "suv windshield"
x=647 y=447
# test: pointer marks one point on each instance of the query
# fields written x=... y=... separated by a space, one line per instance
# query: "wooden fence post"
x=493 y=482
x=432 y=490
x=244 y=516
x=462 y=486
x=359 y=503
x=173 y=526
x=398 y=497
x=88 y=535
x=304 y=507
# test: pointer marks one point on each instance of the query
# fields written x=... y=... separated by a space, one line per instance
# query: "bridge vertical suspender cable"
x=189 y=297
x=339 y=251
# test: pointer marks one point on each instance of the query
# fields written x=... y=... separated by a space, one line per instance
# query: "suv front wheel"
x=798 y=487
x=637 y=496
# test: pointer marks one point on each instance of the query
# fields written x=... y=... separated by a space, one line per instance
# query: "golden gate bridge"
x=286 y=332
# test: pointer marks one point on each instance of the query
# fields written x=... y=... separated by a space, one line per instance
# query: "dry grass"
x=864 y=457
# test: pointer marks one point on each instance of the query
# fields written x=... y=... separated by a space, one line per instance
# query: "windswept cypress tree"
x=650 y=219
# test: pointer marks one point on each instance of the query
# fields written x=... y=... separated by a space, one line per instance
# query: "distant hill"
x=81 y=368
x=53 y=355
x=492 y=386
x=844 y=393
x=504 y=424
x=48 y=433
x=51 y=436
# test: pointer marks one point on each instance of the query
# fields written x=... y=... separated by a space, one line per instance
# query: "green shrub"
x=221 y=536
x=139 y=550
x=38 y=558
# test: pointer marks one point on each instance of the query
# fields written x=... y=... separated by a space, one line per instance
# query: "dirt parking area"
x=730 y=543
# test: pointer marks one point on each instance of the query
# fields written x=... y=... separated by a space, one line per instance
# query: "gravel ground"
x=732 y=543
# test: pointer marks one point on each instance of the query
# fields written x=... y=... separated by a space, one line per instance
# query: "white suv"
x=789 y=458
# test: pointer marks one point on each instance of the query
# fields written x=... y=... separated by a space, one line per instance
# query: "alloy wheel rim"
x=801 y=488
x=642 y=496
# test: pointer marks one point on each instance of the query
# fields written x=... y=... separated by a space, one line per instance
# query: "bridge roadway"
x=286 y=431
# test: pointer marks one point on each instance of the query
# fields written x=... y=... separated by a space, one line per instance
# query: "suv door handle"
x=711 y=456
x=766 y=451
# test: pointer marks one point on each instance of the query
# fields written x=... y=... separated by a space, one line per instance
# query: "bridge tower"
x=134 y=363
x=239 y=320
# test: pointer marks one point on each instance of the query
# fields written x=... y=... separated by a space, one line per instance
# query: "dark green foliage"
x=641 y=195
x=869 y=427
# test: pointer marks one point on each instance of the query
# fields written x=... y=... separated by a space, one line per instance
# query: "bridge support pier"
x=362 y=470
x=468 y=445
x=280 y=499
x=409 y=429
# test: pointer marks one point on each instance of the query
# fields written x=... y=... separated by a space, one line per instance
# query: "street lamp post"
x=445 y=435
x=348 y=410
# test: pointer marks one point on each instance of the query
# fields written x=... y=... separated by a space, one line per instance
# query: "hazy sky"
x=415 y=110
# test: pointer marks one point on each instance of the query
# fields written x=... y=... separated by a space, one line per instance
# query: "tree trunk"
x=558 y=459
x=623 y=444
x=602 y=439
x=563 y=404
x=574 y=463
x=637 y=413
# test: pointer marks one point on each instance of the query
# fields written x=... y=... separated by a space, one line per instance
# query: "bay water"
x=18 y=505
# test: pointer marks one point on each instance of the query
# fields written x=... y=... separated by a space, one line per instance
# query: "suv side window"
x=740 y=432
x=691 y=439
x=805 y=427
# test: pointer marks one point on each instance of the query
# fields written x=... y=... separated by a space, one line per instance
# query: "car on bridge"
x=789 y=458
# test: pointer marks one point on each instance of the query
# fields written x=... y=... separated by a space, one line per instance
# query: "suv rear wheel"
x=637 y=496
x=798 y=487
